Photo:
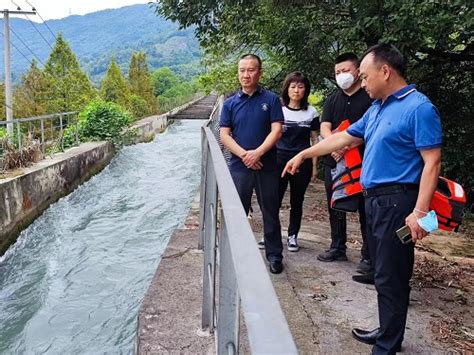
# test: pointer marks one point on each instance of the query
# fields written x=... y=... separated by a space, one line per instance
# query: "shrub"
x=102 y=121
x=69 y=136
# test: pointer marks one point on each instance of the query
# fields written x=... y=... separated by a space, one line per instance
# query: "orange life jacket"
x=346 y=185
x=448 y=202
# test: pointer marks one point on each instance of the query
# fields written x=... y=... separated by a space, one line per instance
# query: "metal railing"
x=47 y=130
x=232 y=255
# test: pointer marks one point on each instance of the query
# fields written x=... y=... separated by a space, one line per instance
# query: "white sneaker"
x=261 y=244
x=292 y=243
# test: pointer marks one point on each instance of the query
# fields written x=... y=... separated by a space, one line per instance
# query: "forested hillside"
x=98 y=36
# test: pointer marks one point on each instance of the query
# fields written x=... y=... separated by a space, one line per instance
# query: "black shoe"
x=332 y=255
x=367 y=278
x=276 y=267
x=364 y=266
x=369 y=337
x=365 y=336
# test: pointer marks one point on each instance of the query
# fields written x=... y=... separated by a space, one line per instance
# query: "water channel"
x=74 y=281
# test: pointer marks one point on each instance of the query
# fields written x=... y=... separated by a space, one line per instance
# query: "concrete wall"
x=146 y=128
x=25 y=197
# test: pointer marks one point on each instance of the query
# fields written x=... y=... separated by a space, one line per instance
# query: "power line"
x=13 y=44
x=51 y=31
x=34 y=9
x=8 y=85
x=34 y=55
x=32 y=24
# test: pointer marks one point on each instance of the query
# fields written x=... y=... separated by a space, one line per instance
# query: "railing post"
x=228 y=322
x=61 y=131
x=42 y=135
x=18 y=132
x=202 y=210
x=209 y=234
x=76 y=122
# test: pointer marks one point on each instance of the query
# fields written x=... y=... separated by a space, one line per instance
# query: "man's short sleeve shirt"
x=250 y=119
x=340 y=107
x=394 y=133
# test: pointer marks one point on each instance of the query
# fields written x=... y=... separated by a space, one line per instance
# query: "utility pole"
x=8 y=76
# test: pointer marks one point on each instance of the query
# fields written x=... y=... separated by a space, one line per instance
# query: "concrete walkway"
x=320 y=301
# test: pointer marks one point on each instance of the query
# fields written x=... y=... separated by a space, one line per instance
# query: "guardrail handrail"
x=232 y=252
x=47 y=134
x=37 y=118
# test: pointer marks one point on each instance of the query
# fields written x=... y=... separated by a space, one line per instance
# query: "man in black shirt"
x=349 y=103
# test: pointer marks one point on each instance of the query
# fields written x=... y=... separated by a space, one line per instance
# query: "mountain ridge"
x=97 y=37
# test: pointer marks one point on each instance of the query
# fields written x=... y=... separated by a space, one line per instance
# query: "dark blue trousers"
x=337 y=220
x=393 y=264
x=265 y=184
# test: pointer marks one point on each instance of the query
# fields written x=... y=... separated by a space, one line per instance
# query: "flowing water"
x=75 y=279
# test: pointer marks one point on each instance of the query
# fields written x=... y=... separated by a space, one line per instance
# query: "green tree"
x=69 y=88
x=114 y=87
x=221 y=78
x=177 y=95
x=436 y=37
x=31 y=96
x=140 y=82
x=139 y=107
x=163 y=79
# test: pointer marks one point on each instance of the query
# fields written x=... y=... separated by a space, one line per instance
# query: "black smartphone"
x=404 y=234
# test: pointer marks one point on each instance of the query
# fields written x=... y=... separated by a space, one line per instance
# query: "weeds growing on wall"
x=13 y=158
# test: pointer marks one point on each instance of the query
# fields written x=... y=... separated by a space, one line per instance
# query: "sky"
x=55 y=9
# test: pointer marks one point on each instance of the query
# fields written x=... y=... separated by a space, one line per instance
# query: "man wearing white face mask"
x=349 y=103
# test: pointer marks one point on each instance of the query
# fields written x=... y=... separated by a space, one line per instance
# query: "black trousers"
x=337 y=220
x=298 y=185
x=393 y=264
x=265 y=184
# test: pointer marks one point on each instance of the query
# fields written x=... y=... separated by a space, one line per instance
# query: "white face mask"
x=345 y=80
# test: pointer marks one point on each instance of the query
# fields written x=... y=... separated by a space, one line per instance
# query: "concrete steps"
x=200 y=110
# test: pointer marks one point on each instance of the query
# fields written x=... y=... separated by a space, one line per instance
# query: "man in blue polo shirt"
x=402 y=159
x=250 y=126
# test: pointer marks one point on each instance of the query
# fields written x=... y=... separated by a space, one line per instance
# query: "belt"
x=390 y=189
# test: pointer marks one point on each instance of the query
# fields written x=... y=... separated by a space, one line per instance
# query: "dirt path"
x=322 y=303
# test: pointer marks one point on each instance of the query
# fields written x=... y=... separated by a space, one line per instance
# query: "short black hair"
x=296 y=77
x=252 y=56
x=388 y=54
x=348 y=56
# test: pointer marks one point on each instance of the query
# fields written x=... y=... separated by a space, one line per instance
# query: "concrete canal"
x=75 y=279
